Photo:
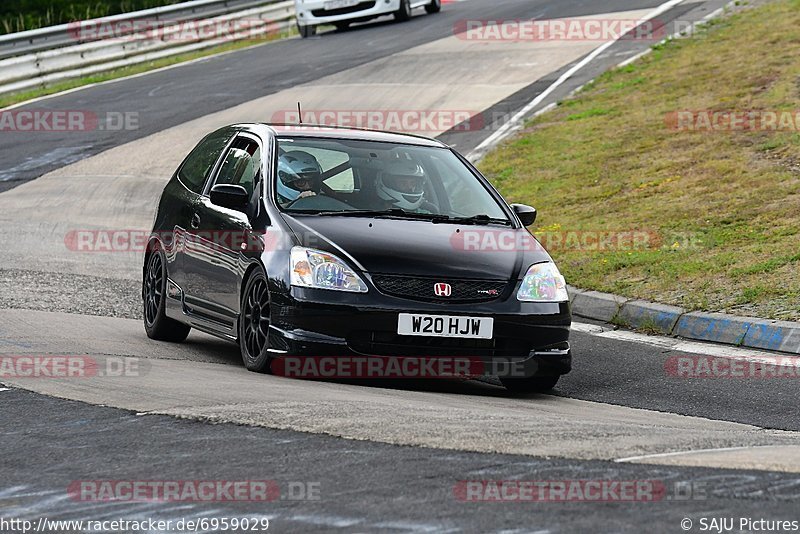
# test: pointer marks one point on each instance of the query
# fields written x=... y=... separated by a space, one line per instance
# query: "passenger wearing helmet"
x=402 y=184
x=299 y=176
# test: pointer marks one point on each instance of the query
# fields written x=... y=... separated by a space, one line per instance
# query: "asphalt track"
x=407 y=443
x=363 y=486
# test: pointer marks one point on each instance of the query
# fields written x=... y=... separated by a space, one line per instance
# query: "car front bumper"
x=312 y=12
x=530 y=339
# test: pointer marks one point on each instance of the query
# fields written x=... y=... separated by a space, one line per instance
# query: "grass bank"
x=721 y=206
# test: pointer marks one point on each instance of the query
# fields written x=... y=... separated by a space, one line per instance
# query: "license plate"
x=410 y=324
x=340 y=4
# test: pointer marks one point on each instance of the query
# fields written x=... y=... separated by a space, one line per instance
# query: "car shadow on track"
x=208 y=349
x=382 y=22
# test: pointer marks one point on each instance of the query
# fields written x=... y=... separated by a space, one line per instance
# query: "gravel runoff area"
x=70 y=293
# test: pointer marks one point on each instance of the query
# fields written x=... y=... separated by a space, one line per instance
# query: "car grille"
x=423 y=288
x=391 y=344
x=342 y=11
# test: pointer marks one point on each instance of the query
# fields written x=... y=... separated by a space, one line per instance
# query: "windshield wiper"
x=393 y=212
x=355 y=213
x=403 y=214
x=479 y=219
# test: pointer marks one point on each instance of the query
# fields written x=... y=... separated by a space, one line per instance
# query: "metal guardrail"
x=38 y=58
x=50 y=37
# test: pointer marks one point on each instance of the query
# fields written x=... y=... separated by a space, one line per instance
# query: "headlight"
x=543 y=283
x=320 y=270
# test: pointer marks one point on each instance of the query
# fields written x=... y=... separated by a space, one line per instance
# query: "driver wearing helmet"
x=402 y=184
x=299 y=176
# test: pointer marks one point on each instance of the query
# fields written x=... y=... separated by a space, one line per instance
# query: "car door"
x=182 y=195
x=216 y=259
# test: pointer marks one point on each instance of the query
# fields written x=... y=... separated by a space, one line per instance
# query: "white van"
x=340 y=13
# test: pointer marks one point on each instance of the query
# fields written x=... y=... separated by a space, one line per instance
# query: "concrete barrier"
x=596 y=305
x=715 y=327
x=643 y=314
x=752 y=332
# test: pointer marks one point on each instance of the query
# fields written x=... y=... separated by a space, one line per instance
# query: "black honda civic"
x=322 y=242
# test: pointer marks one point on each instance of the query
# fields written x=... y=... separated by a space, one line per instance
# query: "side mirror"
x=525 y=213
x=233 y=197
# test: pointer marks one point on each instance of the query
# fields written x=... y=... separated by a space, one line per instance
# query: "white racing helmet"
x=402 y=182
x=297 y=166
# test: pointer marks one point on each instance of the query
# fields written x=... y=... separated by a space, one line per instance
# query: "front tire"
x=404 y=13
x=306 y=31
x=533 y=384
x=154 y=296
x=434 y=7
x=254 y=320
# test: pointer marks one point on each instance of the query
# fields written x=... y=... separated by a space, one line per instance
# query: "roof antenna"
x=299 y=113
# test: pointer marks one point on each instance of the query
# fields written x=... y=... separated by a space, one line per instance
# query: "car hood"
x=421 y=248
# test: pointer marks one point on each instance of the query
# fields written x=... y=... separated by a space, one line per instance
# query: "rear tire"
x=306 y=31
x=533 y=384
x=434 y=7
x=404 y=13
x=154 y=298
x=254 y=320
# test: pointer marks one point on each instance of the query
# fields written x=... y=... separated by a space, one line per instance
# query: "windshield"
x=353 y=178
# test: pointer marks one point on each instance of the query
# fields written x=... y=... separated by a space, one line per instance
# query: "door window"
x=198 y=164
x=241 y=164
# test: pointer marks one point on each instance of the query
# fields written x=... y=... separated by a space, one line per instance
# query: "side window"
x=241 y=164
x=198 y=164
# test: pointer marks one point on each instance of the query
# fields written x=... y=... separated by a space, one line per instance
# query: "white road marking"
x=680 y=345
x=4 y=389
x=509 y=127
x=719 y=11
x=634 y=58
x=680 y=453
x=676 y=35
